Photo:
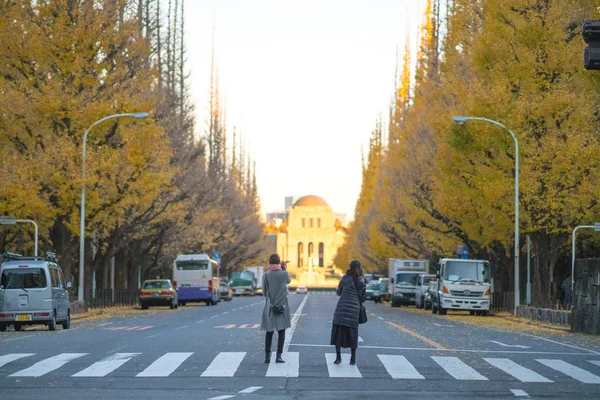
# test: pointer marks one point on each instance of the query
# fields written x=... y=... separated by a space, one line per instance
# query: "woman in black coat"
x=344 y=333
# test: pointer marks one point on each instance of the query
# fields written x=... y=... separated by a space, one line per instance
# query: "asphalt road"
x=216 y=352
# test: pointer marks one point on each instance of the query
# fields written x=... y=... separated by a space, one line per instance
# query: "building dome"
x=311 y=201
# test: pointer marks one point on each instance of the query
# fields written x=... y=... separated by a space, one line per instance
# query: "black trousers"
x=280 y=340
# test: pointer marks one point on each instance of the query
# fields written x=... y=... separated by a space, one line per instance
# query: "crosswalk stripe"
x=574 y=372
x=521 y=373
x=399 y=367
x=12 y=357
x=458 y=369
x=165 y=365
x=225 y=364
x=289 y=369
x=595 y=362
x=343 y=370
x=106 y=366
x=48 y=365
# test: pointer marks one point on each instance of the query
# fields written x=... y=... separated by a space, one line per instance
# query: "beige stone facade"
x=311 y=242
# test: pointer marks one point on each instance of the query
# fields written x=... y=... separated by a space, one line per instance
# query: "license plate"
x=23 y=317
x=155 y=294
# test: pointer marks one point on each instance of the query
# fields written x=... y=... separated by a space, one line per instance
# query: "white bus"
x=196 y=278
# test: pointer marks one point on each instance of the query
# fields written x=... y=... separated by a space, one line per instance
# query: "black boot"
x=338 y=355
x=353 y=356
x=279 y=360
x=267 y=357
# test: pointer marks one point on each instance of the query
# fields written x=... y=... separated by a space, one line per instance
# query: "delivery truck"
x=403 y=275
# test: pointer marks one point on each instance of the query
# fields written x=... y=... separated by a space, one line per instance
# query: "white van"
x=32 y=292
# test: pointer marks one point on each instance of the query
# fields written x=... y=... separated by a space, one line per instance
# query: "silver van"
x=33 y=291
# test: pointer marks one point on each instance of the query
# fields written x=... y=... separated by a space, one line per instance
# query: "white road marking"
x=520 y=346
x=108 y=323
x=158 y=334
x=48 y=365
x=214 y=316
x=451 y=350
x=222 y=397
x=20 y=337
x=106 y=366
x=562 y=344
x=165 y=365
x=519 y=393
x=574 y=372
x=12 y=357
x=399 y=367
x=226 y=312
x=360 y=339
x=199 y=322
x=444 y=326
x=181 y=327
x=458 y=369
x=521 y=373
x=295 y=318
x=595 y=362
x=225 y=364
x=343 y=370
x=251 y=389
x=289 y=369
x=380 y=318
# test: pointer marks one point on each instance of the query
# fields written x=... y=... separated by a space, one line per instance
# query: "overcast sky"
x=304 y=81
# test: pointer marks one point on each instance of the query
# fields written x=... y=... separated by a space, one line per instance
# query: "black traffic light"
x=591 y=35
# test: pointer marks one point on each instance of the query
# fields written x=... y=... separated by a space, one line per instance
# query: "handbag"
x=362 y=313
x=275 y=308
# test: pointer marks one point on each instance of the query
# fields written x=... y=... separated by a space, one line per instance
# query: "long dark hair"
x=274 y=259
x=355 y=269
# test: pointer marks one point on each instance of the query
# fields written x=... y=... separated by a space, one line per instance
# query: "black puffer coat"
x=348 y=306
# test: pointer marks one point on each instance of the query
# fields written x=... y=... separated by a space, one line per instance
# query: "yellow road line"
x=415 y=334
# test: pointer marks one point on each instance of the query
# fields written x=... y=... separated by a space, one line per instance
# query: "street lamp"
x=137 y=115
x=8 y=220
x=461 y=120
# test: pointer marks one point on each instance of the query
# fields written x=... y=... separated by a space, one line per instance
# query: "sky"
x=304 y=82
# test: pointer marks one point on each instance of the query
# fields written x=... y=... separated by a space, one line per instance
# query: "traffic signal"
x=591 y=35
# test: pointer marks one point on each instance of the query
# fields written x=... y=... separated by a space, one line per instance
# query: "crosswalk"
x=230 y=364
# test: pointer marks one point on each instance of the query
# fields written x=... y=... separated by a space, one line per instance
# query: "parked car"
x=301 y=290
x=422 y=288
x=226 y=292
x=376 y=291
x=158 y=292
x=430 y=295
x=33 y=291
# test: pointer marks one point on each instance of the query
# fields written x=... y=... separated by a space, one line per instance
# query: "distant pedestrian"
x=276 y=314
x=344 y=332
x=566 y=290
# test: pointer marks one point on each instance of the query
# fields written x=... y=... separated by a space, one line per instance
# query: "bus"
x=196 y=278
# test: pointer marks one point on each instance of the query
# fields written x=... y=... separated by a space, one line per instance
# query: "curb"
x=93 y=313
x=555 y=327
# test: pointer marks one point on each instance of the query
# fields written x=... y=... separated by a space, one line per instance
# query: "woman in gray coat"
x=274 y=285
x=352 y=290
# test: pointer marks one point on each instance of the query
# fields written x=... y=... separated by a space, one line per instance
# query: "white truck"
x=463 y=284
x=403 y=276
x=258 y=276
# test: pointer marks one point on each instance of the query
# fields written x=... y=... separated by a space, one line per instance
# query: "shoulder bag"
x=276 y=309
x=362 y=313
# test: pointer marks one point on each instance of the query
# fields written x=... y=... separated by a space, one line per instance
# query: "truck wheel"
x=472 y=312
x=2 y=327
x=433 y=308
x=442 y=310
x=485 y=313
x=17 y=327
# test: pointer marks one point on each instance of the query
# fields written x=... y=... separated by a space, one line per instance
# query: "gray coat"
x=348 y=306
x=275 y=290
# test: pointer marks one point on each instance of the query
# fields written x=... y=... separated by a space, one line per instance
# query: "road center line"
x=415 y=334
x=181 y=327
x=449 y=350
x=295 y=318
x=198 y=322
x=158 y=334
x=250 y=389
x=20 y=337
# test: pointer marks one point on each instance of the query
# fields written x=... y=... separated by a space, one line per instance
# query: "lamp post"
x=137 y=115
x=461 y=120
x=8 y=220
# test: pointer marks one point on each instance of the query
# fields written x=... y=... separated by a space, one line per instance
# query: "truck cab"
x=463 y=284
x=404 y=275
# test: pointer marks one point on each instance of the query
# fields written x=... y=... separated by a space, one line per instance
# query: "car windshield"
x=375 y=286
x=407 y=279
x=191 y=265
x=427 y=279
x=23 y=278
x=157 y=285
x=248 y=276
x=467 y=271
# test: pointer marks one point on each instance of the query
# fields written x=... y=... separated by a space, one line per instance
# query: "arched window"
x=311 y=250
x=300 y=255
x=321 y=254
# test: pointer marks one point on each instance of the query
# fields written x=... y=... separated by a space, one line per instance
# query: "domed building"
x=311 y=241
